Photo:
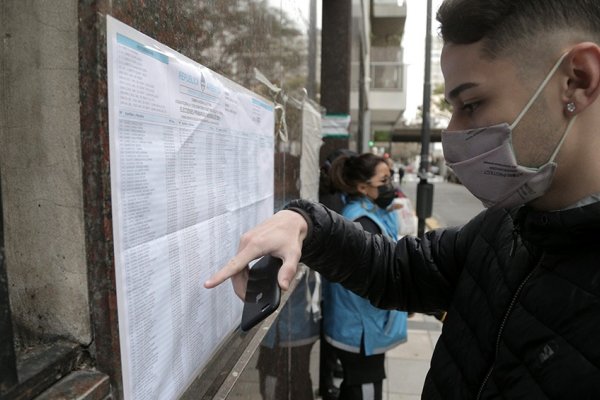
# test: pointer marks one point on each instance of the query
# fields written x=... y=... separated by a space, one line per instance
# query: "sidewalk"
x=407 y=364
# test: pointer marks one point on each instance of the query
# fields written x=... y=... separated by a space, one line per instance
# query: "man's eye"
x=470 y=107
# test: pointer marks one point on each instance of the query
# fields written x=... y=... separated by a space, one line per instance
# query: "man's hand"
x=280 y=236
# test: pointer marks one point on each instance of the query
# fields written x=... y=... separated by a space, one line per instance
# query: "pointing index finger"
x=235 y=266
x=230 y=269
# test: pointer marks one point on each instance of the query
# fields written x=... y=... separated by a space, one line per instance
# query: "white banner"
x=311 y=144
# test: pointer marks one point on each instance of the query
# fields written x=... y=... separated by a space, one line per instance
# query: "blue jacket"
x=296 y=324
x=349 y=318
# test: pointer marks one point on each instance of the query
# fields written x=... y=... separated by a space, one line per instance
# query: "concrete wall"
x=40 y=163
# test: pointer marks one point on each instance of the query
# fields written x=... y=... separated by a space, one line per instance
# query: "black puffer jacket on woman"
x=522 y=291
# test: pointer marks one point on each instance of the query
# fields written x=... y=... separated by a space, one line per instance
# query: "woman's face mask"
x=385 y=195
x=484 y=160
x=379 y=187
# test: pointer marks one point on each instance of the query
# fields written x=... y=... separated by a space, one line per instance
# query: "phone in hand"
x=262 y=292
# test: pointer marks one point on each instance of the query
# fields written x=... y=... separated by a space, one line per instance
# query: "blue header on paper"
x=262 y=104
x=124 y=40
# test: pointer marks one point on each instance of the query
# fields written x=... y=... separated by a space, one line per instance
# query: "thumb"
x=287 y=272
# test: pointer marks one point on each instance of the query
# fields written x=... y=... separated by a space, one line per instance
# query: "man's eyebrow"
x=460 y=88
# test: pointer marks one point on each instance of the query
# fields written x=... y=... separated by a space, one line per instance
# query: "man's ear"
x=582 y=67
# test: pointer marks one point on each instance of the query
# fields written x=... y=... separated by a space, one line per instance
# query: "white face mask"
x=484 y=160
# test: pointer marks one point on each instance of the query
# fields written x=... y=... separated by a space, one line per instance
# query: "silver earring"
x=571 y=107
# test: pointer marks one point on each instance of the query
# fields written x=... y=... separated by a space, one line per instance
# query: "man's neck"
x=566 y=191
x=577 y=174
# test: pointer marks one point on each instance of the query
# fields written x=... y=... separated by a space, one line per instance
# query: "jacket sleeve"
x=412 y=274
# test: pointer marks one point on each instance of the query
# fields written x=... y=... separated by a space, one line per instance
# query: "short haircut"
x=505 y=24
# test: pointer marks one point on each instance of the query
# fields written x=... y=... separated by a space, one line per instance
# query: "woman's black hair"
x=325 y=185
x=348 y=171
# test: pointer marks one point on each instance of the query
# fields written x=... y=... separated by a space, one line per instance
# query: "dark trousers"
x=363 y=376
x=284 y=373
x=329 y=368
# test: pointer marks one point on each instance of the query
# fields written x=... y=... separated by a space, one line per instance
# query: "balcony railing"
x=384 y=76
x=387 y=75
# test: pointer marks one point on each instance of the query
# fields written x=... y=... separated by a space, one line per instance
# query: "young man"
x=521 y=281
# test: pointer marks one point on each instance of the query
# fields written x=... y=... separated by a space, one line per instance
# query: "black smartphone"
x=262 y=293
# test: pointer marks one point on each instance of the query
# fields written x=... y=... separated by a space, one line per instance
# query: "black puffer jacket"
x=522 y=291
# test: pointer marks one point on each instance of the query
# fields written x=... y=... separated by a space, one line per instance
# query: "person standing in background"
x=329 y=365
x=360 y=332
x=400 y=174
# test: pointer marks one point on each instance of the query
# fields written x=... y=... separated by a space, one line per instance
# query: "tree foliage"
x=231 y=37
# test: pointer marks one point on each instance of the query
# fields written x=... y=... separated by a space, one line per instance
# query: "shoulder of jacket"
x=493 y=226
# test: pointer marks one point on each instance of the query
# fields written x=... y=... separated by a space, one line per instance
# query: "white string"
x=281 y=122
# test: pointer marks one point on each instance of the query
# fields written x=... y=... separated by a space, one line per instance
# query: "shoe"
x=331 y=393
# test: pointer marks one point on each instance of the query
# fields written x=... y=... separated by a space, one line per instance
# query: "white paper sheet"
x=311 y=144
x=191 y=157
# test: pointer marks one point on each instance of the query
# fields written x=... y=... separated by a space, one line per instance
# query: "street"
x=452 y=203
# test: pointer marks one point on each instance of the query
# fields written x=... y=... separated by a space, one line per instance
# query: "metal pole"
x=361 y=101
x=424 y=189
x=311 y=85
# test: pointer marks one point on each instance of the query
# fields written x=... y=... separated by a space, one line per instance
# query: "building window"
x=387 y=75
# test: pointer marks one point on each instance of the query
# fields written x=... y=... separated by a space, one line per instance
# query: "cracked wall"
x=40 y=164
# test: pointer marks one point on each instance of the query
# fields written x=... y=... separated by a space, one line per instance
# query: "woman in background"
x=360 y=332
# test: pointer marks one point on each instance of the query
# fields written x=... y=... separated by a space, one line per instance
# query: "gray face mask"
x=484 y=160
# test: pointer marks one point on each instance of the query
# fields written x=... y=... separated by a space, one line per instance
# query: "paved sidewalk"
x=407 y=364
